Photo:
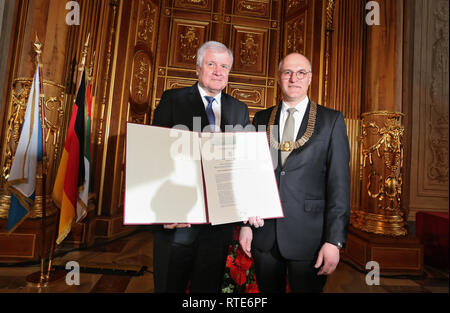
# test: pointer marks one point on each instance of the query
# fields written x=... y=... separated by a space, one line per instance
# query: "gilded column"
x=381 y=140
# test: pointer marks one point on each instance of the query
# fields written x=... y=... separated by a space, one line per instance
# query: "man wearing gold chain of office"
x=311 y=164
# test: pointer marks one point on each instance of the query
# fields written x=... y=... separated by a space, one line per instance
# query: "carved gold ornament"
x=249 y=50
x=381 y=169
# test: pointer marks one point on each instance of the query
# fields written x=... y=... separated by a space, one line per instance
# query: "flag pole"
x=43 y=279
x=38 y=279
x=54 y=275
x=57 y=274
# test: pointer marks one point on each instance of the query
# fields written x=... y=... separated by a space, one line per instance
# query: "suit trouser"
x=271 y=270
x=199 y=265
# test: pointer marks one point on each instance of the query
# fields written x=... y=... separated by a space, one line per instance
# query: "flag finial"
x=84 y=53
x=38 y=48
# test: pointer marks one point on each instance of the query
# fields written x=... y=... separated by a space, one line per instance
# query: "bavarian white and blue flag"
x=22 y=178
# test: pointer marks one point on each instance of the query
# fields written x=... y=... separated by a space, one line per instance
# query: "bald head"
x=295 y=55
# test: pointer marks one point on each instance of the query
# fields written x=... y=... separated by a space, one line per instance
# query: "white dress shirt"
x=216 y=105
x=298 y=115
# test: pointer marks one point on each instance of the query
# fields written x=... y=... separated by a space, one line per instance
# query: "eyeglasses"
x=288 y=74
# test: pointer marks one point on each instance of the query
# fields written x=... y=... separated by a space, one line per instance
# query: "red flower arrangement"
x=240 y=271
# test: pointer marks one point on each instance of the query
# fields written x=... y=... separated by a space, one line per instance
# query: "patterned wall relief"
x=250 y=50
x=295 y=34
x=53 y=130
x=146 y=23
x=193 y=4
x=20 y=92
x=293 y=6
x=438 y=131
x=140 y=79
x=142 y=62
x=54 y=120
x=381 y=174
x=187 y=37
x=179 y=83
x=260 y=8
x=253 y=96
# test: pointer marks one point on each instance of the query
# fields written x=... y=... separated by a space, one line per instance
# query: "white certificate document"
x=239 y=177
x=163 y=176
x=179 y=176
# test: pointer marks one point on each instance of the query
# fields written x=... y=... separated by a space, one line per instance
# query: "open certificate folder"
x=178 y=176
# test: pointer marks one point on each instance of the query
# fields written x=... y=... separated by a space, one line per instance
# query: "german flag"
x=70 y=177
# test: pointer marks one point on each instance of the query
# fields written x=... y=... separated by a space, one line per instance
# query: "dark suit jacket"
x=184 y=106
x=314 y=187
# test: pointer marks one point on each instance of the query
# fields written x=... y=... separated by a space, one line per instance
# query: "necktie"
x=288 y=133
x=210 y=113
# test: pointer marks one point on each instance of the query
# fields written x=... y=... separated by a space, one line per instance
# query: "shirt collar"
x=301 y=106
x=203 y=94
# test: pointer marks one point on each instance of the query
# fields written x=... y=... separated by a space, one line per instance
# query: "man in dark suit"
x=186 y=255
x=311 y=164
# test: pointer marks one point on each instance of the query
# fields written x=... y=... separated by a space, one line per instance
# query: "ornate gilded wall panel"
x=178 y=83
x=254 y=96
x=131 y=90
x=194 y=4
x=51 y=48
x=249 y=49
x=147 y=22
x=187 y=37
x=141 y=81
x=293 y=7
x=295 y=34
x=259 y=8
x=251 y=29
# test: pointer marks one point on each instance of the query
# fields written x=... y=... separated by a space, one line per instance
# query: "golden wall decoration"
x=140 y=79
x=258 y=8
x=53 y=122
x=194 y=4
x=19 y=96
x=187 y=38
x=381 y=164
x=293 y=5
x=146 y=23
x=253 y=96
x=249 y=50
x=295 y=35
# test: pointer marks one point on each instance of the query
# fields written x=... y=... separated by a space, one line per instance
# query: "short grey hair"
x=214 y=46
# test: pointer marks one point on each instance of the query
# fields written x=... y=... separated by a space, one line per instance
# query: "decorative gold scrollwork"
x=249 y=50
x=381 y=170
x=189 y=44
x=389 y=143
x=20 y=92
